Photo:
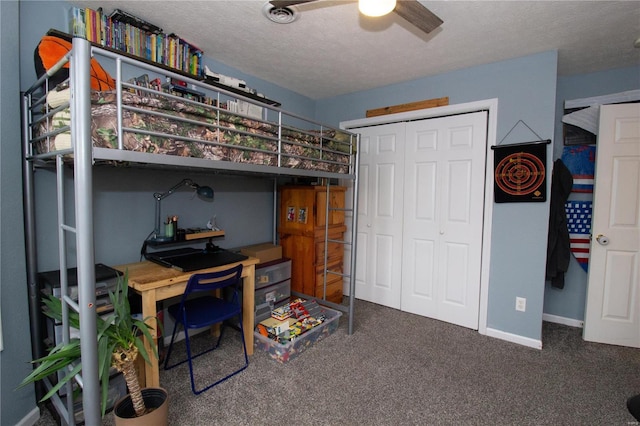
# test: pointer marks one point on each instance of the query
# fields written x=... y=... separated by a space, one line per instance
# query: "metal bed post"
x=274 y=236
x=326 y=239
x=354 y=233
x=83 y=183
x=37 y=345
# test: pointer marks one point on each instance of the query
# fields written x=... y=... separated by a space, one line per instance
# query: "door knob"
x=602 y=239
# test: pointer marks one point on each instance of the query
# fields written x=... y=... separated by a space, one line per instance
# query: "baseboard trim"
x=30 y=419
x=563 y=320
x=514 y=338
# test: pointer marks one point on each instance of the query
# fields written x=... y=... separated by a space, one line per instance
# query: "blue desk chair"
x=205 y=311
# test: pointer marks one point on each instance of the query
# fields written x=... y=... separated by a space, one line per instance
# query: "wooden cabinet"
x=303 y=219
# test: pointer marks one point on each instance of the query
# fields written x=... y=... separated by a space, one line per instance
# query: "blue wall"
x=21 y=404
x=525 y=89
x=569 y=302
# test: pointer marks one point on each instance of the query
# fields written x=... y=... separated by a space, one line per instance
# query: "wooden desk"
x=155 y=283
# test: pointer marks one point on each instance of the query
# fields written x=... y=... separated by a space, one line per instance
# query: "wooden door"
x=613 y=295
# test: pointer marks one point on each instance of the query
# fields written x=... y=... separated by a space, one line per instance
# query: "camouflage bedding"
x=196 y=130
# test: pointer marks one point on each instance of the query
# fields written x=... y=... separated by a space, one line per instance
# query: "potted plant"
x=119 y=344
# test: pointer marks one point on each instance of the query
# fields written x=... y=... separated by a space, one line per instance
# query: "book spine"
x=98 y=14
x=172 y=49
x=165 y=51
x=150 y=48
x=108 y=32
x=83 y=24
x=129 y=39
x=103 y=29
x=115 y=34
x=121 y=36
x=91 y=26
x=87 y=23
x=136 y=41
x=186 y=57
x=73 y=21
x=98 y=24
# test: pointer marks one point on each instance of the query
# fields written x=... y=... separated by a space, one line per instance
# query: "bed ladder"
x=348 y=241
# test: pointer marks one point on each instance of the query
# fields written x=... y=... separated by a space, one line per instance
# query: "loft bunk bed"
x=146 y=125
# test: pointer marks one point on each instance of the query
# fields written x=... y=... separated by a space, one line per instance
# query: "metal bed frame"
x=84 y=158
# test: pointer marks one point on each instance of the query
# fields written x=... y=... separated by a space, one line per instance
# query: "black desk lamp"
x=204 y=192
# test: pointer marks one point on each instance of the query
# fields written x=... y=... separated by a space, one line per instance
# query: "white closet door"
x=444 y=183
x=379 y=255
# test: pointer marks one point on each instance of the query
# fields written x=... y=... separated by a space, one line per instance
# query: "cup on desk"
x=180 y=234
x=168 y=230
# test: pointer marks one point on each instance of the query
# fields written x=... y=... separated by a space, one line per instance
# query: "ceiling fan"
x=411 y=10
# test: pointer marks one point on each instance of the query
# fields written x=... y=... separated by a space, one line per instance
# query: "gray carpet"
x=403 y=369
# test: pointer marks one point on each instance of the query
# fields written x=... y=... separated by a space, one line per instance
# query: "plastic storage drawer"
x=283 y=353
x=274 y=293
x=272 y=272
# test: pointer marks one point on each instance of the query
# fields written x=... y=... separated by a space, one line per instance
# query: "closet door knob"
x=602 y=239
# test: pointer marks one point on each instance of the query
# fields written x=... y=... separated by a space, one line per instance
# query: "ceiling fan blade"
x=287 y=3
x=417 y=15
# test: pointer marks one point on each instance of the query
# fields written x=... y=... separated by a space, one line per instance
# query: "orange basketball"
x=51 y=49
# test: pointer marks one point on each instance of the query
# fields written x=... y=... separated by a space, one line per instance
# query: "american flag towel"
x=579 y=225
x=580 y=160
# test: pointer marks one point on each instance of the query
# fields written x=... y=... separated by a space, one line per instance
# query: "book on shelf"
x=142 y=81
x=122 y=16
x=245 y=108
x=183 y=91
x=135 y=36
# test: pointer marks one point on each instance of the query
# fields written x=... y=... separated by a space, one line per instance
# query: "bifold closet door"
x=380 y=210
x=444 y=180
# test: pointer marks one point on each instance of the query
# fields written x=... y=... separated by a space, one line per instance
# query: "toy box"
x=287 y=352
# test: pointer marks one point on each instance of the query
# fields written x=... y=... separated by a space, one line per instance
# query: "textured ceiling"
x=332 y=50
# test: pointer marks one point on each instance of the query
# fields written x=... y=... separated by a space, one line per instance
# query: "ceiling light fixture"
x=376 y=7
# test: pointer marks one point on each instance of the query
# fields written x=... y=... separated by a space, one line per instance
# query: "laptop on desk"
x=191 y=259
x=163 y=257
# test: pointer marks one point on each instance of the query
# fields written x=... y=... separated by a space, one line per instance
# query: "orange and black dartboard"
x=520 y=173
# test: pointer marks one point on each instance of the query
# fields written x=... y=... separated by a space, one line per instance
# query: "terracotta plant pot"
x=156 y=400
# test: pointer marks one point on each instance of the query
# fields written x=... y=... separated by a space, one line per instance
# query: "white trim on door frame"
x=490 y=105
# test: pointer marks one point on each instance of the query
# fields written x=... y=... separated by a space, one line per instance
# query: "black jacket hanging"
x=558 y=244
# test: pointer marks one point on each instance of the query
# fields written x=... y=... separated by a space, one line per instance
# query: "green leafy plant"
x=119 y=344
